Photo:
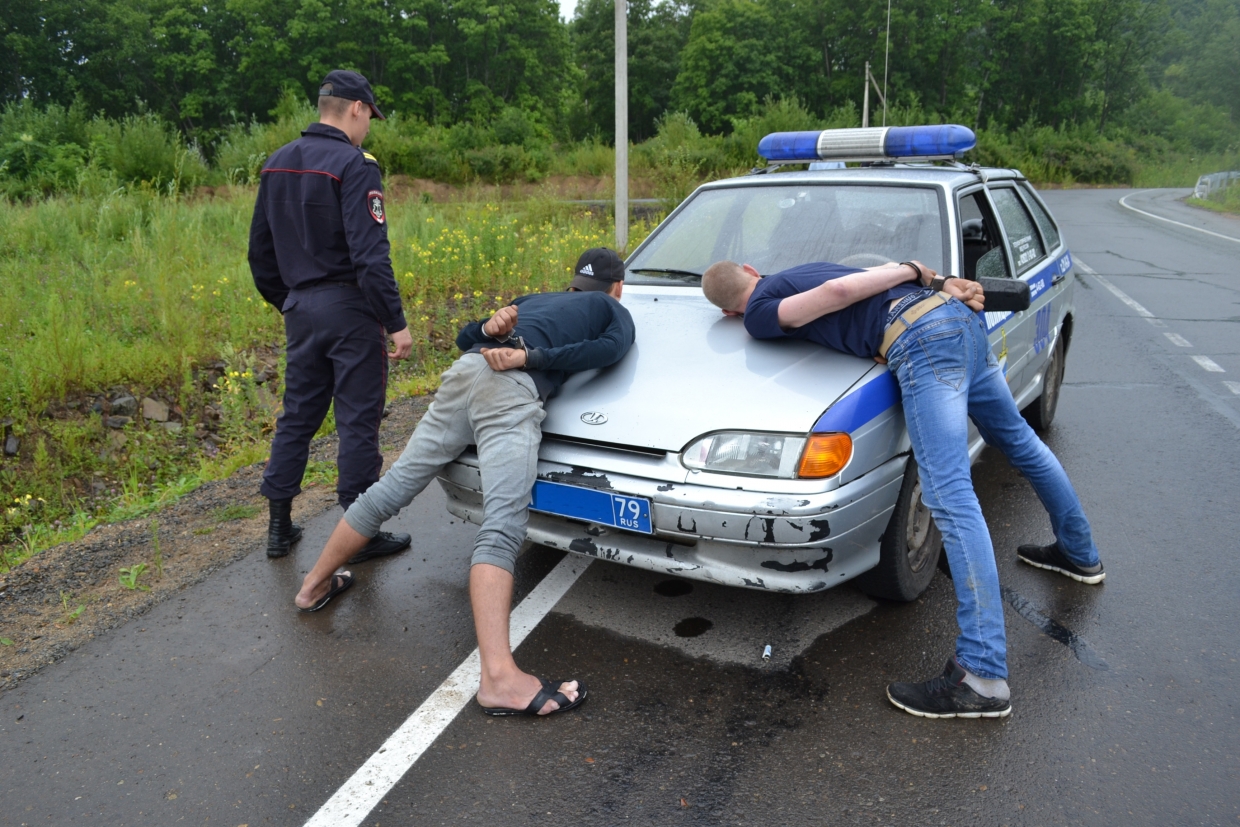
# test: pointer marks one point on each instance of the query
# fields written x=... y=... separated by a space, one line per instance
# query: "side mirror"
x=1005 y=294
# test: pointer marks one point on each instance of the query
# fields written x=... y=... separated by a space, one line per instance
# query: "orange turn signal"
x=825 y=455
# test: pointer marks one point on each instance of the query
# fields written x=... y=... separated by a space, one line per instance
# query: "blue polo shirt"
x=856 y=329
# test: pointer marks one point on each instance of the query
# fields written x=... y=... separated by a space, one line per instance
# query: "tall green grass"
x=1225 y=200
x=150 y=293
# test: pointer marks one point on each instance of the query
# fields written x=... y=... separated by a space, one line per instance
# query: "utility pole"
x=622 y=126
x=886 y=62
x=865 y=106
x=865 y=100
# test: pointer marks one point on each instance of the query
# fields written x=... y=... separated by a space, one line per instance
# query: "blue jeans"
x=947 y=374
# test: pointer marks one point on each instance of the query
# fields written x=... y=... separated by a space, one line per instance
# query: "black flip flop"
x=550 y=692
x=341 y=580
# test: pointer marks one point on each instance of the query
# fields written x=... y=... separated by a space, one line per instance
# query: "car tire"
x=910 y=548
x=1041 y=412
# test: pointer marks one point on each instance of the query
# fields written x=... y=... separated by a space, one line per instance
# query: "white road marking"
x=1208 y=363
x=353 y=802
x=1176 y=339
x=1234 y=387
x=1120 y=294
x=1169 y=221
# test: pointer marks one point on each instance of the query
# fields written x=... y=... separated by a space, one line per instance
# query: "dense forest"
x=117 y=288
x=78 y=76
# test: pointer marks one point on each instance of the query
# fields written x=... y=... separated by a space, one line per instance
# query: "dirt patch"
x=557 y=187
x=199 y=534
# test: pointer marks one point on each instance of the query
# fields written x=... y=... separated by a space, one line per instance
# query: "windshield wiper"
x=665 y=271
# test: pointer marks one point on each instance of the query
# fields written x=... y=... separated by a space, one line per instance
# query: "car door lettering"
x=1026 y=250
x=1042 y=334
x=995 y=319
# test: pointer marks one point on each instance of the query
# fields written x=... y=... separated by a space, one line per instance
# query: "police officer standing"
x=319 y=254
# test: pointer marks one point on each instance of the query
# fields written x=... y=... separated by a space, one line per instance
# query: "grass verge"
x=1228 y=202
x=137 y=361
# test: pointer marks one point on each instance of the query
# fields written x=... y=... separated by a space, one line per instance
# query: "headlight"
x=784 y=456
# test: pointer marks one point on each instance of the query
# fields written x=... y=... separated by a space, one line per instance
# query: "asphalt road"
x=225 y=707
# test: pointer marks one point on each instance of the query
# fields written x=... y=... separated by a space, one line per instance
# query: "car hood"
x=692 y=371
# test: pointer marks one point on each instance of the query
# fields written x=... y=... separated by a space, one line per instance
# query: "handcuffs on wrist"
x=937 y=283
x=510 y=339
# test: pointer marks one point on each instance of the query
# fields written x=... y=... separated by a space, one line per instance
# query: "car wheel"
x=1041 y=412
x=910 y=548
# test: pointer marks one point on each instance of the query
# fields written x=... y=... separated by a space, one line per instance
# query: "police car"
x=785 y=466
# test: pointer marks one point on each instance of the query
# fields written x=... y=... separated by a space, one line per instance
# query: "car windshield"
x=777 y=227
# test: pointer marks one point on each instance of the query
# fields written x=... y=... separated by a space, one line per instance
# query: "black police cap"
x=597 y=269
x=341 y=83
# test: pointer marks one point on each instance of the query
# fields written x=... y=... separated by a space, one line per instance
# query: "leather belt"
x=905 y=320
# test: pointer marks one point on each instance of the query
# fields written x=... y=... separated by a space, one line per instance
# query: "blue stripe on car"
x=857 y=408
x=1037 y=286
x=881 y=393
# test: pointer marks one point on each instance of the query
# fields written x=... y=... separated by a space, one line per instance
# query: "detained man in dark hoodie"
x=492 y=397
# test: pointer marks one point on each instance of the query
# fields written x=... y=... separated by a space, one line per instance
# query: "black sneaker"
x=381 y=545
x=946 y=696
x=1052 y=559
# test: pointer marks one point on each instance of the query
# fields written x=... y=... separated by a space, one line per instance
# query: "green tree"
x=656 y=35
x=730 y=64
x=1201 y=54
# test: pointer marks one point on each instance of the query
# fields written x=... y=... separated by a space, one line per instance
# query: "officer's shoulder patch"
x=374 y=205
x=370 y=157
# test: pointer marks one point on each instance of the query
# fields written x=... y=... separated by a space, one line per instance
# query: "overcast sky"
x=567 y=7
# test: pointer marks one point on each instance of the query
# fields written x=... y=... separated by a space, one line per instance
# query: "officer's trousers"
x=337 y=350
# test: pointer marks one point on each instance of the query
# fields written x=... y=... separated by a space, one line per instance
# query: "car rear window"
x=777 y=227
x=1049 y=231
x=1026 y=245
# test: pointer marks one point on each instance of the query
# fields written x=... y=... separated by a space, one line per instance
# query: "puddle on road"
x=1054 y=630
x=650 y=606
x=692 y=627
x=673 y=588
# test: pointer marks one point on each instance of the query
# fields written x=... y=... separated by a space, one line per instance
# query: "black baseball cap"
x=597 y=269
x=341 y=83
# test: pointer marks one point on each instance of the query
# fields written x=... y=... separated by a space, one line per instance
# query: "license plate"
x=631 y=513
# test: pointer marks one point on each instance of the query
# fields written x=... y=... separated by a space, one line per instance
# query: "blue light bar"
x=923 y=141
x=872 y=144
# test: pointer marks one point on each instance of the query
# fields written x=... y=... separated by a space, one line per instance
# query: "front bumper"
x=787 y=542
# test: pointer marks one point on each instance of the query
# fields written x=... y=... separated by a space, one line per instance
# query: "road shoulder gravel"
x=180 y=545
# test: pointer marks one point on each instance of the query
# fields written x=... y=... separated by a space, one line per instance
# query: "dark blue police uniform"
x=319 y=253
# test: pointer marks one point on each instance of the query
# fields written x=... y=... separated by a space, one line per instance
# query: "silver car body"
x=693 y=371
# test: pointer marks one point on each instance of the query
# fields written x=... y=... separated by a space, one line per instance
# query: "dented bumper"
x=787 y=541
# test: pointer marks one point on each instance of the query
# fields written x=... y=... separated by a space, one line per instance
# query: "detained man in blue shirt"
x=492 y=397
x=927 y=331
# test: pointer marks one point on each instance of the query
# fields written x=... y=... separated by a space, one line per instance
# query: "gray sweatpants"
x=498 y=411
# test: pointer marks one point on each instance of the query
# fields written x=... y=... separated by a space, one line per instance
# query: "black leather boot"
x=281 y=533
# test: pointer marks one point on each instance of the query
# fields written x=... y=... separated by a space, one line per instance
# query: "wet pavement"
x=223 y=706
